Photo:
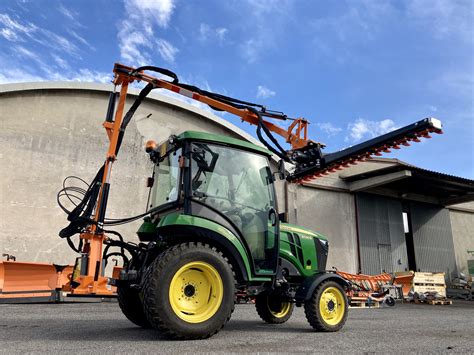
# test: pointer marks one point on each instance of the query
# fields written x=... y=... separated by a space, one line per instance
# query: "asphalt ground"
x=101 y=328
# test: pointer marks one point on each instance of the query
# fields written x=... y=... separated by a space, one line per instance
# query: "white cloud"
x=89 y=76
x=167 y=50
x=13 y=30
x=56 y=41
x=80 y=39
x=221 y=33
x=9 y=34
x=68 y=13
x=432 y=108
x=132 y=46
x=137 y=40
x=264 y=93
x=204 y=30
x=363 y=128
x=444 y=18
x=22 y=51
x=251 y=49
x=206 y=33
x=328 y=128
x=159 y=10
x=260 y=7
x=35 y=68
x=60 y=61
x=18 y=76
x=9 y=75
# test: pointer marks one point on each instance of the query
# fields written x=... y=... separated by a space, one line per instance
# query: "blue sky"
x=353 y=68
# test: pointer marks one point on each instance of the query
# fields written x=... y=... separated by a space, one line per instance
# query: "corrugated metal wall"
x=381 y=236
x=432 y=238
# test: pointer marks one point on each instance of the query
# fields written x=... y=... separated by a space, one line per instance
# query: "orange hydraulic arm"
x=296 y=134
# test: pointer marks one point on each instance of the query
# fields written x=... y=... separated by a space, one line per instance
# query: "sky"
x=353 y=68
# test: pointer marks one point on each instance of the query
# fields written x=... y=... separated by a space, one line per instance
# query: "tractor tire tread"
x=311 y=310
x=264 y=312
x=149 y=288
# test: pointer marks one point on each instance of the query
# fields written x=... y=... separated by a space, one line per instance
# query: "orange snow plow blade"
x=32 y=282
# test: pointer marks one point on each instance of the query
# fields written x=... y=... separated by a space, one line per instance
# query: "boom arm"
x=306 y=155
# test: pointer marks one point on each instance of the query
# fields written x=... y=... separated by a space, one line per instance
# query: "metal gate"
x=385 y=257
x=433 y=239
x=381 y=235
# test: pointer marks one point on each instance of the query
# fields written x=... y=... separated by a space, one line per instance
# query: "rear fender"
x=306 y=290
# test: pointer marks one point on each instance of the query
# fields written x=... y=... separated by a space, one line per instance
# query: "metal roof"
x=448 y=189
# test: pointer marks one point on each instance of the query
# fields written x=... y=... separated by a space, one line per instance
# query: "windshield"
x=166 y=174
x=229 y=178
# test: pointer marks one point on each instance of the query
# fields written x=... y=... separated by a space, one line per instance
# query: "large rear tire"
x=326 y=310
x=189 y=292
x=132 y=306
x=272 y=309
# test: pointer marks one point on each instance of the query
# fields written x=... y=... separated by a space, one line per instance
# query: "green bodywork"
x=306 y=258
x=296 y=244
x=305 y=250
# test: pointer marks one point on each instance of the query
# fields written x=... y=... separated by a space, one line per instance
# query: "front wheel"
x=326 y=310
x=272 y=309
x=189 y=292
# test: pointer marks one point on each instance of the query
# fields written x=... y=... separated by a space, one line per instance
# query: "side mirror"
x=283 y=217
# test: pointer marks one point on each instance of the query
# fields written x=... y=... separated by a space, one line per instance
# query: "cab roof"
x=221 y=139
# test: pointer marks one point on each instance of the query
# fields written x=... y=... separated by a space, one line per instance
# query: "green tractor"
x=215 y=234
x=212 y=231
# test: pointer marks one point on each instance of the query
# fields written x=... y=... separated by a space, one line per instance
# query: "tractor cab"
x=223 y=180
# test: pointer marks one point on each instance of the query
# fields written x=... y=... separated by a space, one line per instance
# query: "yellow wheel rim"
x=278 y=309
x=283 y=311
x=332 y=306
x=196 y=292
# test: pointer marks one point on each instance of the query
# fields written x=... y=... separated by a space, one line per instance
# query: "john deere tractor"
x=212 y=232
x=215 y=233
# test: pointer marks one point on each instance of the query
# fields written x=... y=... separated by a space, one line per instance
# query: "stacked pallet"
x=429 y=282
x=423 y=287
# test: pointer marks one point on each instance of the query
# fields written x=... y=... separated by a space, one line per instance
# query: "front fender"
x=306 y=290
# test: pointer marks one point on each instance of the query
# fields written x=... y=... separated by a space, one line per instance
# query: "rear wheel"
x=132 y=306
x=272 y=309
x=189 y=292
x=326 y=310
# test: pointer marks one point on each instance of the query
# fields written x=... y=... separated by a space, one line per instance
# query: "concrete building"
x=378 y=215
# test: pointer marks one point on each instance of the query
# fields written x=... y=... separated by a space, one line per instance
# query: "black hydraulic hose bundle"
x=81 y=215
x=278 y=151
x=128 y=116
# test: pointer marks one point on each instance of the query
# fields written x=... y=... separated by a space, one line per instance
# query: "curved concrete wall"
x=53 y=130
